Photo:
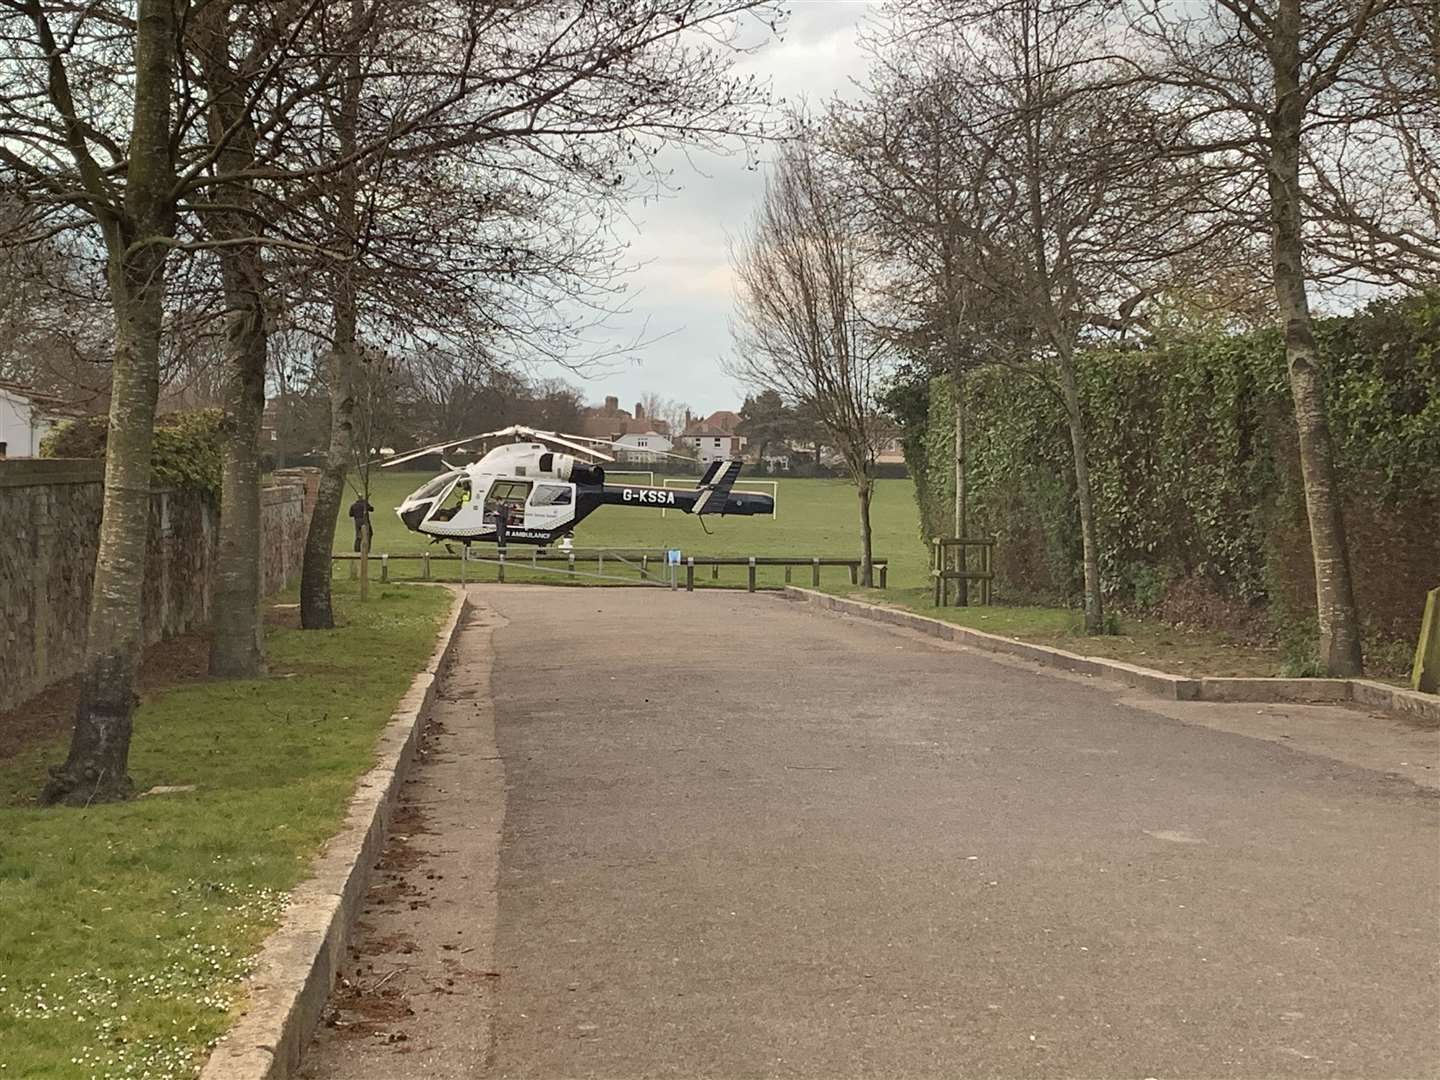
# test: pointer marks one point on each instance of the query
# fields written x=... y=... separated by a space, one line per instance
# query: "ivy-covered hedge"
x=187 y=447
x=1196 y=474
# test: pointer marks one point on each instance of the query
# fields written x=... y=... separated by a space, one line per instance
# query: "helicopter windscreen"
x=434 y=487
x=455 y=500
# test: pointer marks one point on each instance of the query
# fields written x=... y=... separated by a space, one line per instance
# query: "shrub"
x=187 y=447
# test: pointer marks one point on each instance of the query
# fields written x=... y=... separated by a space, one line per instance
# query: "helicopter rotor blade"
x=411 y=455
x=643 y=449
x=520 y=431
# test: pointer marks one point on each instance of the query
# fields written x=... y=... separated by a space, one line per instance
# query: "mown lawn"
x=1146 y=642
x=126 y=927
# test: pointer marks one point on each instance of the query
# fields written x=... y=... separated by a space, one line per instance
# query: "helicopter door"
x=510 y=494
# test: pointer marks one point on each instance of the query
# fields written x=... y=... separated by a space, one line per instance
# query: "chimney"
x=612 y=405
x=639 y=411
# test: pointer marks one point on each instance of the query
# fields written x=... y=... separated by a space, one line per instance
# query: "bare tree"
x=566 y=119
x=798 y=329
x=1062 y=224
x=1309 y=116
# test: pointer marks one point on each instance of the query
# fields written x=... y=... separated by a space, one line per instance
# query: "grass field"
x=815 y=517
x=127 y=927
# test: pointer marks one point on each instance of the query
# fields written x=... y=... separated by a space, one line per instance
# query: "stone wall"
x=49 y=532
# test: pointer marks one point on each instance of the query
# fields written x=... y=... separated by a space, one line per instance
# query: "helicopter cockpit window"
x=455 y=501
x=551 y=495
x=434 y=487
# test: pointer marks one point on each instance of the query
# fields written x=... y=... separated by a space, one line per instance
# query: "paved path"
x=745 y=839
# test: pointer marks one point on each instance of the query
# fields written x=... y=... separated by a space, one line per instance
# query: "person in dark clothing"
x=360 y=512
x=502 y=524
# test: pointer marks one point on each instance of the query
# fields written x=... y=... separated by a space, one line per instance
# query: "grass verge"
x=1147 y=643
x=128 y=927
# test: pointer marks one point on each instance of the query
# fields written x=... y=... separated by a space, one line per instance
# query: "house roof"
x=719 y=423
x=51 y=404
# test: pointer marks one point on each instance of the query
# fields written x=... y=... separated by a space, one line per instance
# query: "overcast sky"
x=680 y=295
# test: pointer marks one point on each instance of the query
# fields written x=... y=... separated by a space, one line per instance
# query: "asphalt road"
x=745 y=839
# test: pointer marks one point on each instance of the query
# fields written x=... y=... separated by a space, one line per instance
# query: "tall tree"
x=798 y=328
x=1307 y=115
x=1064 y=223
x=64 y=148
x=570 y=110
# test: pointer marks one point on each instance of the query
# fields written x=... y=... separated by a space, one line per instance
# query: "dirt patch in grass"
x=47 y=716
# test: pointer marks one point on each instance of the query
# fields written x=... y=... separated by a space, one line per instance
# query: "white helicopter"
x=527 y=492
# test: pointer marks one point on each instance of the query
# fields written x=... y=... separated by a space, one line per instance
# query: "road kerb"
x=1408 y=704
x=297 y=963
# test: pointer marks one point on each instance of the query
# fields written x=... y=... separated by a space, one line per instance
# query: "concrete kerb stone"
x=297 y=963
x=1407 y=703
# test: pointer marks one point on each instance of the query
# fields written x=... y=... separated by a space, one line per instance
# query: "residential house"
x=26 y=417
x=642 y=448
x=609 y=421
x=714 y=438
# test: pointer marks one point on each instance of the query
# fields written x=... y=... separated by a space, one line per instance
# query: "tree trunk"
x=1338 y=617
x=237 y=649
x=96 y=767
x=867 y=553
x=316 y=610
x=1089 y=541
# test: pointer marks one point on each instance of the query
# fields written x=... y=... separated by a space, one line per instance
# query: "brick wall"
x=49 y=532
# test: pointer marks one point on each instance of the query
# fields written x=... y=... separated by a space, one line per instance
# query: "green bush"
x=187 y=447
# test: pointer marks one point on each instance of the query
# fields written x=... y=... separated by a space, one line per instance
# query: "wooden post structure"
x=690 y=574
x=384 y=569
x=425 y=565
x=815 y=573
x=500 y=570
x=750 y=577
x=1425 y=675
x=644 y=567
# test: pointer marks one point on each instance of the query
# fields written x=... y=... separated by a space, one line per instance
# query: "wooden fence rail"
x=650 y=562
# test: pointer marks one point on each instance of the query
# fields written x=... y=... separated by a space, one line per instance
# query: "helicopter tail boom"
x=713 y=495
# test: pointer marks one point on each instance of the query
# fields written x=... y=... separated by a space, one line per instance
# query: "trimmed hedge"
x=1196 y=474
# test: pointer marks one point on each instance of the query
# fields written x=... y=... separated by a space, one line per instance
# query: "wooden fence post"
x=500 y=570
x=750 y=577
x=1426 y=673
x=690 y=574
x=884 y=573
x=644 y=567
x=815 y=572
x=425 y=565
x=384 y=569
